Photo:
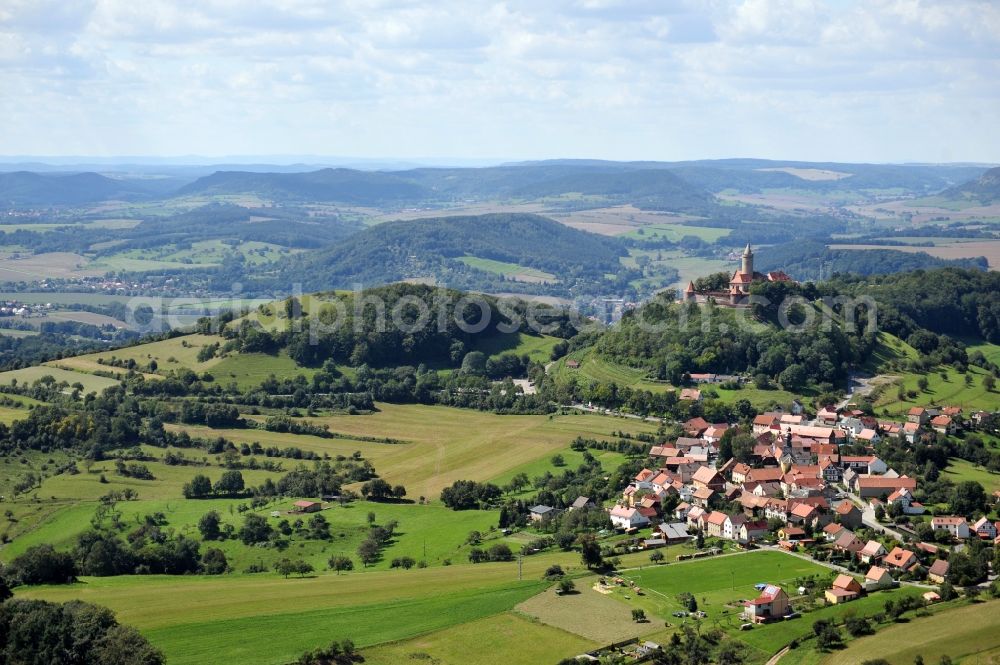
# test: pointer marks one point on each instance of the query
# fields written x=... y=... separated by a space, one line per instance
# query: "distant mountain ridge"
x=333 y=185
x=26 y=188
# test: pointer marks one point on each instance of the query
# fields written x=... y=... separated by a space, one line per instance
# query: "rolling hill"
x=327 y=185
x=434 y=248
x=985 y=189
x=24 y=188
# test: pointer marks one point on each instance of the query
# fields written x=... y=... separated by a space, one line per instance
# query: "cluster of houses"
x=17 y=308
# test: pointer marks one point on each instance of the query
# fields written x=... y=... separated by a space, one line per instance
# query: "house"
x=308 y=506
x=691 y=395
x=956 y=527
x=844 y=589
x=831 y=531
x=827 y=415
x=694 y=516
x=911 y=431
x=695 y=426
x=831 y=472
x=540 y=513
x=900 y=559
x=868 y=487
x=714 y=523
x=943 y=424
x=938 y=571
x=771 y=474
x=802 y=513
x=581 y=503
x=681 y=511
x=872 y=552
x=752 y=531
x=765 y=422
x=710 y=478
x=739 y=472
x=878 y=578
x=772 y=603
x=904 y=499
x=573 y=364
x=627 y=518
x=848 y=514
x=917 y=415
x=791 y=533
x=674 y=532
x=702 y=496
x=731 y=527
x=985 y=529
x=868 y=436
x=848 y=543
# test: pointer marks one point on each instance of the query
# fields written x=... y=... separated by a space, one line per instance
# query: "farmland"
x=951 y=390
x=960 y=470
x=508 y=270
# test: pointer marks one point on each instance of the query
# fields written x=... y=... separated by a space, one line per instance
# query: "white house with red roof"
x=956 y=526
x=627 y=518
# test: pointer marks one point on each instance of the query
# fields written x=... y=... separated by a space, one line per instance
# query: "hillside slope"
x=25 y=188
x=985 y=189
x=328 y=185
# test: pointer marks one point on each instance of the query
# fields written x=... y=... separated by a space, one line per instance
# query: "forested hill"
x=24 y=188
x=813 y=260
x=985 y=189
x=651 y=189
x=334 y=185
x=424 y=248
x=961 y=303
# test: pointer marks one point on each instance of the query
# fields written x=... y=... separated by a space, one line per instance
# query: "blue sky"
x=880 y=80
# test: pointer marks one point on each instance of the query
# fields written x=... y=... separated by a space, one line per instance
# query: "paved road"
x=868 y=518
x=609 y=412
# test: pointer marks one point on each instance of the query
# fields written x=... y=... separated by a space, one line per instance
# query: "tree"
x=214 y=562
x=969 y=497
x=338 y=653
x=857 y=626
x=124 y=645
x=42 y=564
x=554 y=572
x=656 y=557
x=590 y=551
x=638 y=615
x=198 y=487
x=341 y=564
x=879 y=513
x=231 y=483
x=692 y=603
x=255 y=529
x=376 y=489
x=368 y=552
x=923 y=384
x=209 y=525
x=989 y=383
x=566 y=586
x=829 y=638
x=558 y=460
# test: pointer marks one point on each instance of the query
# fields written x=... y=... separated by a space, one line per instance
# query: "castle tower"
x=747 y=261
x=689 y=293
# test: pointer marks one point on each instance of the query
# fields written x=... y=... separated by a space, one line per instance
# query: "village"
x=800 y=493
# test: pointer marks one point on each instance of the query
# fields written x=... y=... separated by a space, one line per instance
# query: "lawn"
x=90 y=382
x=960 y=470
x=960 y=633
x=536 y=347
x=503 y=638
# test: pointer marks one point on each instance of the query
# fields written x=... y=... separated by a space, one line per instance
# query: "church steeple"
x=747 y=266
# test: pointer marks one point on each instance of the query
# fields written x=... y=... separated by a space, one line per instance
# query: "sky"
x=874 y=80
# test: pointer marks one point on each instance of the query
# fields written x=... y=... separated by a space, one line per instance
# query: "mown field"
x=960 y=470
x=512 y=271
x=676 y=232
x=951 y=390
x=90 y=382
x=966 y=634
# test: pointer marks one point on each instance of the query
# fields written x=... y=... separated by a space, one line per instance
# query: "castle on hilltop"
x=739 y=284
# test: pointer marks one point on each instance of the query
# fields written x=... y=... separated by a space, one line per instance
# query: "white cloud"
x=874 y=80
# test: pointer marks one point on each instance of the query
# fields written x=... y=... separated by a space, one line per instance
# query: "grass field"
x=594 y=368
x=536 y=347
x=961 y=633
x=888 y=348
x=950 y=391
x=960 y=470
x=276 y=619
x=587 y=613
x=505 y=638
x=440 y=444
x=513 y=271
x=169 y=354
x=90 y=382
x=675 y=232
x=248 y=370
